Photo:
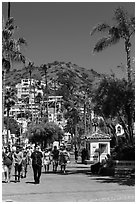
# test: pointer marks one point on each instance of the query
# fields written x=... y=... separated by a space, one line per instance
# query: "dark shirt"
x=55 y=154
x=37 y=158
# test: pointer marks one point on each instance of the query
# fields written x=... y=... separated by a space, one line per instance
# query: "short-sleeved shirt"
x=18 y=157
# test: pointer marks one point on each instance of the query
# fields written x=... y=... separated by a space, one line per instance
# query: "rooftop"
x=98 y=136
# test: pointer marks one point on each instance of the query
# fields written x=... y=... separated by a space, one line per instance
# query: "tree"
x=115 y=99
x=38 y=99
x=44 y=133
x=13 y=125
x=53 y=132
x=124 y=29
x=10 y=49
x=30 y=68
x=45 y=68
x=10 y=98
x=36 y=133
x=10 y=46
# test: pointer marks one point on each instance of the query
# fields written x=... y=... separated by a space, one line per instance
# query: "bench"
x=123 y=168
x=89 y=162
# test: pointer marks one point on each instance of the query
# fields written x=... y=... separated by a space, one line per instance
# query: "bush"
x=124 y=152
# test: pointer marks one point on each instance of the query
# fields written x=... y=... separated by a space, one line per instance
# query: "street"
x=77 y=185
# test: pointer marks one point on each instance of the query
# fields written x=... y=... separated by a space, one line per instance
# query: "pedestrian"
x=55 y=158
x=46 y=159
x=18 y=156
x=63 y=158
x=29 y=152
x=36 y=157
x=76 y=155
x=24 y=164
x=7 y=159
x=84 y=155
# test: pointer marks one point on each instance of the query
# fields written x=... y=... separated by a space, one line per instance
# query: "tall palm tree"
x=45 y=68
x=10 y=50
x=123 y=29
x=30 y=68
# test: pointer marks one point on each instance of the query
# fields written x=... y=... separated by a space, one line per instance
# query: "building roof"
x=98 y=136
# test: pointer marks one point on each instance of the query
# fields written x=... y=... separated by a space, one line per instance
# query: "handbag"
x=7 y=161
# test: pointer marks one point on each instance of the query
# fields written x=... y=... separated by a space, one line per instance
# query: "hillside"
x=80 y=74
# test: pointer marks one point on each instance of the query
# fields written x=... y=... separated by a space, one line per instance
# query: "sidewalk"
x=77 y=185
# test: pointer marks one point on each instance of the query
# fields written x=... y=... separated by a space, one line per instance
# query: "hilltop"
x=80 y=74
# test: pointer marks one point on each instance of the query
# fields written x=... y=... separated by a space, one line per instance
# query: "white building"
x=98 y=146
x=23 y=89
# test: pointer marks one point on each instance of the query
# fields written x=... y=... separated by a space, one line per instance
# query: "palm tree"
x=30 y=68
x=45 y=68
x=10 y=50
x=10 y=98
x=124 y=29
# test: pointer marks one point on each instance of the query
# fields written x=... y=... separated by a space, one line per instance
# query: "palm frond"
x=18 y=57
x=21 y=41
x=104 y=43
x=125 y=22
x=100 y=27
x=120 y=15
x=132 y=25
x=9 y=22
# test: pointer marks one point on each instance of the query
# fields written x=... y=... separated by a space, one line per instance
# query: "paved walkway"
x=77 y=185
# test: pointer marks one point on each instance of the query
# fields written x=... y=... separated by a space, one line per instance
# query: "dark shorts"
x=18 y=167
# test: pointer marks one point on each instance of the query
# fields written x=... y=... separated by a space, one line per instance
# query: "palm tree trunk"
x=34 y=102
x=30 y=99
x=127 y=48
x=7 y=126
x=3 y=101
x=76 y=134
x=85 y=127
x=46 y=92
x=8 y=10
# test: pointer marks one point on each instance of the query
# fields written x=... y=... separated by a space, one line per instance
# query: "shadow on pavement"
x=85 y=170
x=120 y=181
x=30 y=182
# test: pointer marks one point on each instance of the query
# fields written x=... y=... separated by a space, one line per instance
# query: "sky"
x=61 y=31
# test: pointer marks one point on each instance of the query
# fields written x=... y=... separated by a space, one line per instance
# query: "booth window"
x=103 y=148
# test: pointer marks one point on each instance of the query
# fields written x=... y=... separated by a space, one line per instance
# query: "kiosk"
x=98 y=146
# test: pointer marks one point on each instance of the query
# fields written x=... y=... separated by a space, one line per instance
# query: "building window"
x=59 y=117
x=118 y=129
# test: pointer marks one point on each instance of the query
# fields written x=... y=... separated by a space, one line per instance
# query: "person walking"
x=76 y=155
x=36 y=157
x=29 y=152
x=46 y=159
x=55 y=158
x=63 y=158
x=84 y=155
x=24 y=164
x=18 y=156
x=7 y=160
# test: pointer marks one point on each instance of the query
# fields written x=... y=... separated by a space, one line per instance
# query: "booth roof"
x=98 y=135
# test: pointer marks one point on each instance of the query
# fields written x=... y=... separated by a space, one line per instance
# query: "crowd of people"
x=20 y=158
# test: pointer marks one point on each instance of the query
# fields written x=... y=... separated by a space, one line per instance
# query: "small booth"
x=98 y=146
